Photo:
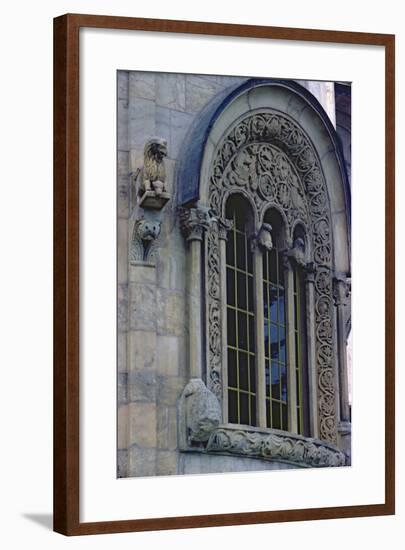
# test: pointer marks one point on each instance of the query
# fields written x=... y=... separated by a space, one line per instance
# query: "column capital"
x=224 y=226
x=194 y=221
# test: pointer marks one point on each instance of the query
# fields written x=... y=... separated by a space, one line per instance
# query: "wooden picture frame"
x=67 y=284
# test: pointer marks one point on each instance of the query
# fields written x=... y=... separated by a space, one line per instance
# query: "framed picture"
x=223 y=274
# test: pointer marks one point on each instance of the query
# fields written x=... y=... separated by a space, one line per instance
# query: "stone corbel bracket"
x=262 y=239
x=143 y=243
x=199 y=414
x=274 y=445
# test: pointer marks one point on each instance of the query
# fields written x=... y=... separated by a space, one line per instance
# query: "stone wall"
x=152 y=299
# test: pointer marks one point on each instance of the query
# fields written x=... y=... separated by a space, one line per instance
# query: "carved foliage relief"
x=267 y=156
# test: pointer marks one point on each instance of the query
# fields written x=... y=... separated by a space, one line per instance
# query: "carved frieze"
x=274 y=445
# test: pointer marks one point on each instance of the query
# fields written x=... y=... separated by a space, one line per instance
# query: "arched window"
x=240 y=316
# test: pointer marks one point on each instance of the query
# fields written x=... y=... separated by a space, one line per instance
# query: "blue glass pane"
x=282 y=353
x=273 y=303
x=267 y=374
x=242 y=331
x=275 y=381
x=281 y=307
x=283 y=373
x=284 y=417
x=273 y=341
x=252 y=369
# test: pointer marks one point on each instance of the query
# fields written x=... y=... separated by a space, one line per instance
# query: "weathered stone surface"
x=122 y=436
x=180 y=123
x=122 y=197
x=171 y=91
x=196 y=463
x=122 y=252
x=170 y=312
x=163 y=125
x=142 y=306
x=142 y=424
x=122 y=351
x=123 y=163
x=122 y=84
x=166 y=427
x=199 y=91
x=171 y=355
x=142 y=385
x=122 y=383
x=169 y=389
x=141 y=85
x=141 y=462
x=142 y=350
x=122 y=132
x=166 y=463
x=142 y=274
x=141 y=124
x=122 y=307
x=122 y=463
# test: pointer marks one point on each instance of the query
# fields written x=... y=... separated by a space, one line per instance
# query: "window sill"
x=273 y=445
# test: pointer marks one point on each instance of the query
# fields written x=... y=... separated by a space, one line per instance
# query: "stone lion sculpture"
x=203 y=412
x=153 y=173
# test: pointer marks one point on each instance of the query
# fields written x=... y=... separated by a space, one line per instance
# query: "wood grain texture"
x=66 y=273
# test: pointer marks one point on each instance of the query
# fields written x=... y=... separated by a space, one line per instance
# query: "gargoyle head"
x=156 y=148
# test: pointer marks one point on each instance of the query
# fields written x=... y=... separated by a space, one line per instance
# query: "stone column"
x=193 y=223
x=290 y=344
x=261 y=416
x=311 y=351
x=224 y=227
x=341 y=294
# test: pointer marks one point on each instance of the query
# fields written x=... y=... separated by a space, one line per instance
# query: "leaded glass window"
x=275 y=340
x=240 y=318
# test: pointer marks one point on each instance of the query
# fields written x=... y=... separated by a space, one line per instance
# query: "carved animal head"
x=264 y=237
x=156 y=149
x=148 y=230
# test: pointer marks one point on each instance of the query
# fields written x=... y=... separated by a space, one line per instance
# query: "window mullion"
x=290 y=337
x=259 y=332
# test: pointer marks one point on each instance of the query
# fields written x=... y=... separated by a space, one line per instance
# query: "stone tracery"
x=267 y=156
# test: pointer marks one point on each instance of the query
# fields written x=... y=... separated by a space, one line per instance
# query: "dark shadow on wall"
x=44 y=520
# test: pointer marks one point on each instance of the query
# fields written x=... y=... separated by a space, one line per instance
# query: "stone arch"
x=274 y=128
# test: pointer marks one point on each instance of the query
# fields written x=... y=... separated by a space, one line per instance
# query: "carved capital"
x=194 y=221
x=262 y=240
x=341 y=292
x=224 y=226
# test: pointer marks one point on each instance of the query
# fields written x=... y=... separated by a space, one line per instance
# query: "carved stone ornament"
x=143 y=242
x=297 y=252
x=268 y=156
x=194 y=221
x=274 y=445
x=341 y=292
x=151 y=178
x=262 y=239
x=199 y=414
